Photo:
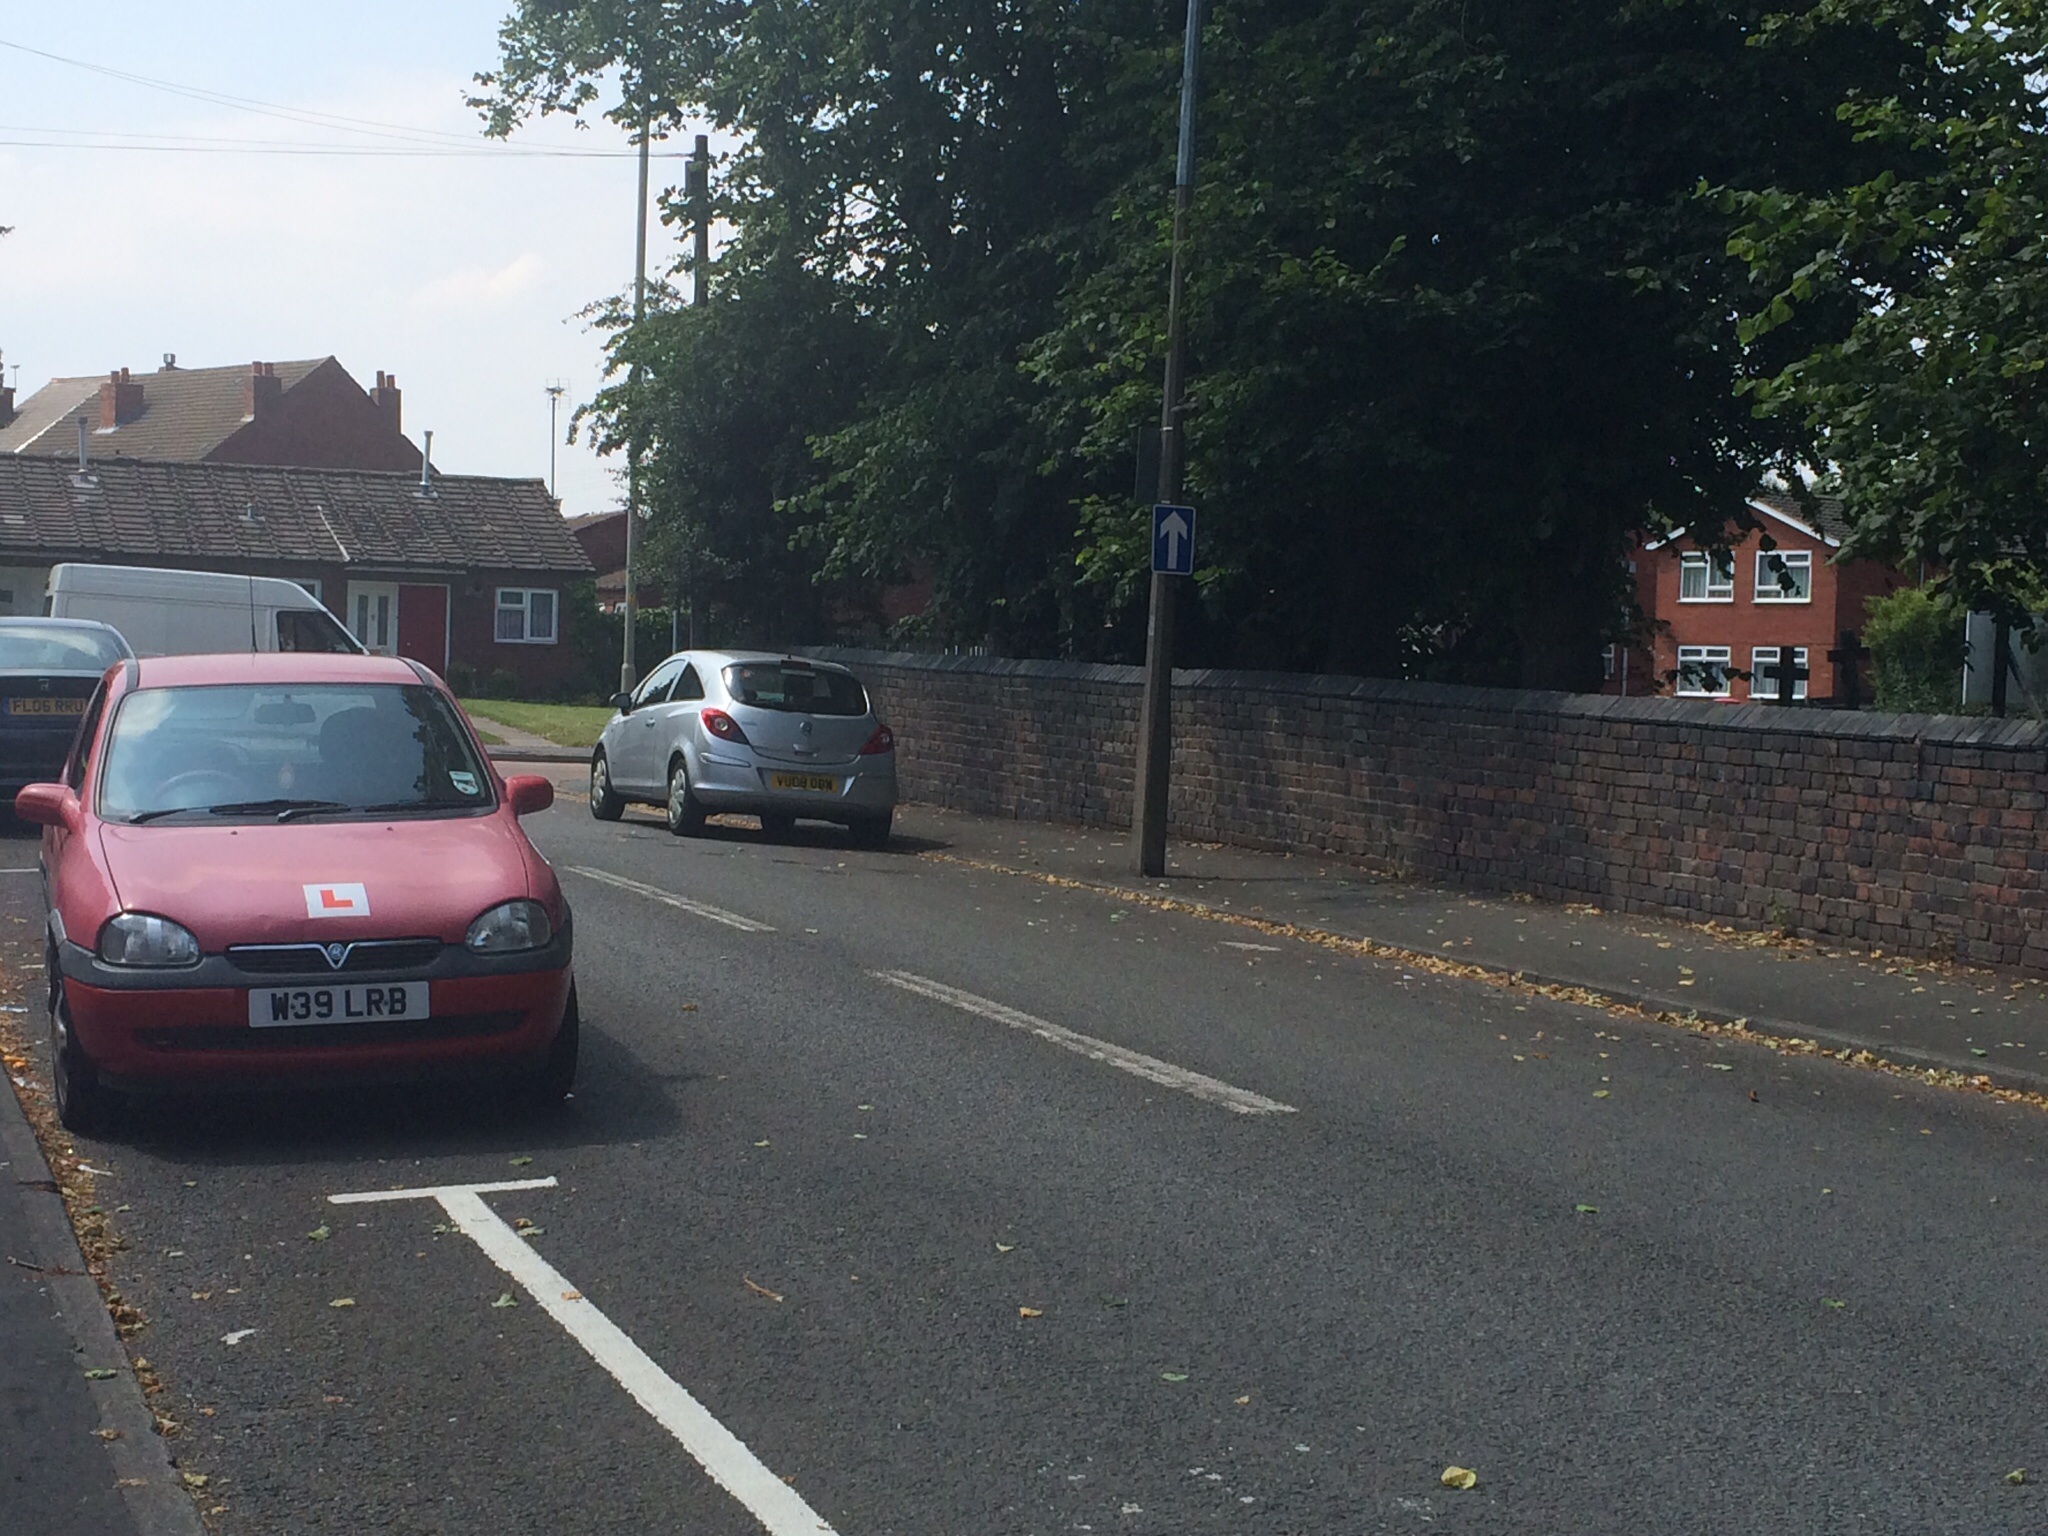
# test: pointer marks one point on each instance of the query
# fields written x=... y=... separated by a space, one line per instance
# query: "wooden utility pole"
x=1155 y=718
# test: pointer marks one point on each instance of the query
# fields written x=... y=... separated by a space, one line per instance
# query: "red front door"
x=423 y=625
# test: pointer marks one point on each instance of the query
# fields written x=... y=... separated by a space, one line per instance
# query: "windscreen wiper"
x=284 y=810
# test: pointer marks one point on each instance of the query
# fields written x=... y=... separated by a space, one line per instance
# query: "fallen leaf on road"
x=689 y=1007
x=2016 y=1476
x=1829 y=1301
x=1031 y=1311
x=521 y=1162
x=762 y=1143
x=1587 y=1210
x=331 y=1398
x=342 y=1301
x=106 y=1434
x=1006 y=1247
x=319 y=1234
x=194 y=1479
x=1173 y=1375
x=572 y=1295
x=99 y=1373
x=1600 y=1093
x=232 y=1339
x=1242 y=1402
x=1459 y=1477
x=504 y=1300
x=760 y=1290
x=1720 y=1066
x=1975 y=1050
x=1115 y=1301
x=533 y=1231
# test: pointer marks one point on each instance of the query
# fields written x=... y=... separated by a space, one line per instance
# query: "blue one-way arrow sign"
x=1173 y=540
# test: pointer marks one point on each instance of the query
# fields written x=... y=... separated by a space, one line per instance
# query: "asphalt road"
x=1308 y=1230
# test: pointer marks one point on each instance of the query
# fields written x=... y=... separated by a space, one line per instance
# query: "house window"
x=1784 y=576
x=1703 y=672
x=1705 y=578
x=1764 y=685
x=526 y=616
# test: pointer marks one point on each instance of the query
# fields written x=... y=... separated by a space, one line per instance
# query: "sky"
x=463 y=274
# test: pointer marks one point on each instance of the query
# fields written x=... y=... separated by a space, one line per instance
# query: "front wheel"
x=685 y=812
x=83 y=1101
x=605 y=803
x=557 y=1075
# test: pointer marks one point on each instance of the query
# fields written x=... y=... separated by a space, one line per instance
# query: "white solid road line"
x=681 y=903
x=716 y=1449
x=1238 y=1100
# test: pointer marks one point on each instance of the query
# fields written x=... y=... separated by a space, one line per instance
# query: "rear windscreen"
x=801 y=690
x=312 y=629
x=50 y=648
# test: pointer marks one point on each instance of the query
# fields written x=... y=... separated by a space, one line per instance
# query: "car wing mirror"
x=623 y=703
x=51 y=805
x=528 y=792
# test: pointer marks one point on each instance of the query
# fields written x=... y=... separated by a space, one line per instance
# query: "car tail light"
x=724 y=727
x=884 y=740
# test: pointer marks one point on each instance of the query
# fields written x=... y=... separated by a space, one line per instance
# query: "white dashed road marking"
x=1238 y=1100
x=680 y=903
x=716 y=1449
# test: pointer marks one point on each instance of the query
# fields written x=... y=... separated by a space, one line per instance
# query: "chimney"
x=120 y=401
x=84 y=452
x=6 y=404
x=265 y=389
x=385 y=398
x=170 y=363
x=427 y=464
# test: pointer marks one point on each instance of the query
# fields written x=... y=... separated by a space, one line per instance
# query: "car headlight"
x=138 y=938
x=509 y=927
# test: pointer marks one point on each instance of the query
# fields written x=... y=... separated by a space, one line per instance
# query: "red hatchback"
x=290 y=869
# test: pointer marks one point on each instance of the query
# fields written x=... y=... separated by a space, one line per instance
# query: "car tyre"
x=84 y=1103
x=557 y=1075
x=777 y=824
x=685 y=812
x=872 y=831
x=605 y=803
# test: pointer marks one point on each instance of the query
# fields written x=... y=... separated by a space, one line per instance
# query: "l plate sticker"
x=337 y=901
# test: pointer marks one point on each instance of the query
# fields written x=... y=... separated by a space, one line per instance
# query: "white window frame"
x=1761 y=656
x=1701 y=656
x=1720 y=582
x=519 y=600
x=1795 y=561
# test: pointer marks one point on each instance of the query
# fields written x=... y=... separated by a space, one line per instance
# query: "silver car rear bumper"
x=860 y=790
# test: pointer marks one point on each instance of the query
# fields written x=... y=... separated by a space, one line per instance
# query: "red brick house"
x=603 y=537
x=1720 y=624
x=309 y=413
x=457 y=571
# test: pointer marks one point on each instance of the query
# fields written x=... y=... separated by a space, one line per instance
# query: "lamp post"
x=1155 y=719
x=627 y=675
x=555 y=391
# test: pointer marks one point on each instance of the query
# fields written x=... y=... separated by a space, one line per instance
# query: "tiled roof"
x=155 y=510
x=1825 y=515
x=186 y=413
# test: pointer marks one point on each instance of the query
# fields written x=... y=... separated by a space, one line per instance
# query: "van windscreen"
x=312 y=629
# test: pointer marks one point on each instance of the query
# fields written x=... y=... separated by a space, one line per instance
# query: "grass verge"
x=566 y=725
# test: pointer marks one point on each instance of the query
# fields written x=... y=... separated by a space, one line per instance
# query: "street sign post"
x=1173 y=540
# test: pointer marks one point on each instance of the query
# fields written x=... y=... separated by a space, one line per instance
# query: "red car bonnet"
x=261 y=883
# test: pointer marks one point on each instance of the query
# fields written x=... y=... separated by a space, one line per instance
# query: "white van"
x=182 y=613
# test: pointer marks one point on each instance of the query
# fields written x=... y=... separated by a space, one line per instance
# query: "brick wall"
x=1920 y=834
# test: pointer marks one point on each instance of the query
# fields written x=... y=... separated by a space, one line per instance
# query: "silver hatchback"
x=751 y=732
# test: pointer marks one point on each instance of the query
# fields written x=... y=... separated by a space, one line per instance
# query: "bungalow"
x=456 y=571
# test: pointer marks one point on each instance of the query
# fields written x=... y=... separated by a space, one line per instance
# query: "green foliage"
x=1457 y=321
x=1916 y=645
x=1926 y=398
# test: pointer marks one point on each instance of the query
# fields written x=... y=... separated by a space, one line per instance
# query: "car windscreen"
x=54 y=648
x=800 y=690
x=286 y=751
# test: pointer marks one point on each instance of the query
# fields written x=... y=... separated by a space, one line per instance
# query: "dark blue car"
x=48 y=671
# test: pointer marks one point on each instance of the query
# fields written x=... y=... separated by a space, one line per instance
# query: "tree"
x=1916 y=645
x=1926 y=401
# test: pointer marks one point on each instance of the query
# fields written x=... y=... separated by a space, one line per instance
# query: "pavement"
x=1025 y=1293
x=526 y=747
x=1915 y=1012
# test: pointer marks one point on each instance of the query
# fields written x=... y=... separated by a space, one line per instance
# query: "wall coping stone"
x=1744 y=719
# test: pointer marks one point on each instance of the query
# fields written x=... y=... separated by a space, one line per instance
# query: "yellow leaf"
x=1006 y=1247
x=1459 y=1477
x=1031 y=1312
x=342 y=1301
